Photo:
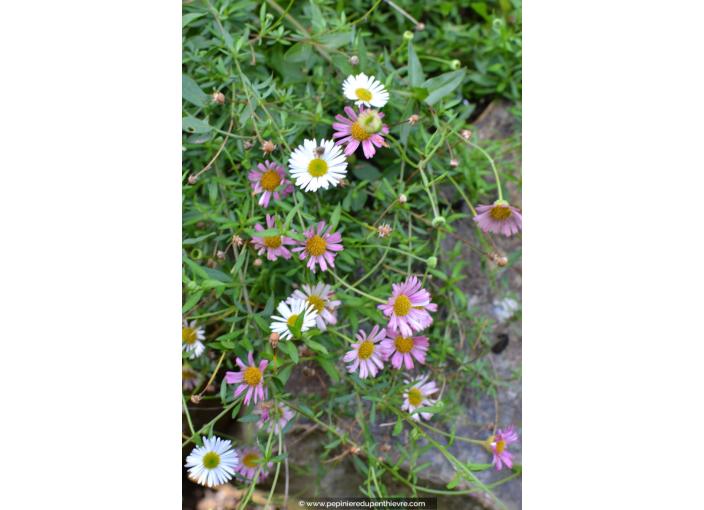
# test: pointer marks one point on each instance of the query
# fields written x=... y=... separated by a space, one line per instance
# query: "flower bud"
x=385 y=447
x=432 y=262
x=502 y=261
x=402 y=199
x=247 y=145
x=268 y=147
x=237 y=241
x=200 y=224
x=353 y=60
x=408 y=35
x=218 y=97
x=454 y=163
x=497 y=23
x=221 y=255
x=191 y=286
x=274 y=340
x=466 y=134
x=455 y=65
x=192 y=179
x=385 y=230
x=370 y=121
x=211 y=264
x=294 y=286
x=414 y=118
x=439 y=221
x=269 y=16
x=258 y=262
x=419 y=27
x=319 y=151
x=195 y=399
x=355 y=450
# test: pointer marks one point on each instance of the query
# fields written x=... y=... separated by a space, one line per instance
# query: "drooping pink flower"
x=499 y=218
x=247 y=468
x=367 y=355
x=249 y=378
x=320 y=247
x=274 y=245
x=268 y=180
x=272 y=414
x=402 y=349
x=408 y=307
x=355 y=130
x=417 y=396
x=497 y=445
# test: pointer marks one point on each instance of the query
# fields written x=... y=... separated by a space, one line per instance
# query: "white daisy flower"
x=213 y=463
x=191 y=338
x=313 y=170
x=289 y=316
x=417 y=396
x=320 y=297
x=366 y=90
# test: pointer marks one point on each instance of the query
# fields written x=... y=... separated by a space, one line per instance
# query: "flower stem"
x=357 y=290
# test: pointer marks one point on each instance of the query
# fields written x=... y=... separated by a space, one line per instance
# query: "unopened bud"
x=454 y=163
x=355 y=450
x=370 y=121
x=502 y=261
x=402 y=199
x=307 y=371
x=408 y=35
x=319 y=151
x=192 y=179
x=191 y=286
x=294 y=285
x=258 y=262
x=385 y=447
x=439 y=221
x=497 y=23
x=385 y=230
x=414 y=118
x=211 y=264
x=432 y=262
x=195 y=399
x=200 y=224
x=419 y=27
x=466 y=134
x=353 y=60
x=268 y=147
x=218 y=97
x=237 y=241
x=221 y=255
x=274 y=340
x=455 y=65
x=247 y=145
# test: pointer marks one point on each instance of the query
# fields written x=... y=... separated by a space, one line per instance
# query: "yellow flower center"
x=363 y=94
x=499 y=446
x=317 y=303
x=188 y=374
x=270 y=180
x=317 y=167
x=499 y=212
x=402 y=306
x=211 y=460
x=415 y=397
x=189 y=336
x=366 y=350
x=316 y=246
x=359 y=134
x=403 y=345
x=247 y=460
x=252 y=376
x=292 y=320
x=273 y=242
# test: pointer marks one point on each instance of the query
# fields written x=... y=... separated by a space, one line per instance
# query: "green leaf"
x=291 y=349
x=317 y=19
x=454 y=482
x=198 y=270
x=192 y=301
x=442 y=85
x=190 y=17
x=335 y=217
x=299 y=52
x=290 y=215
x=420 y=93
x=249 y=418
x=479 y=467
x=279 y=458
x=211 y=284
x=193 y=125
x=480 y=8
x=452 y=435
x=329 y=368
x=191 y=92
x=415 y=70
x=398 y=427
x=197 y=240
x=314 y=345
x=236 y=410
x=361 y=51
x=333 y=444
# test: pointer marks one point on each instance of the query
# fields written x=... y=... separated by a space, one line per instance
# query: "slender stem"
x=357 y=290
x=493 y=166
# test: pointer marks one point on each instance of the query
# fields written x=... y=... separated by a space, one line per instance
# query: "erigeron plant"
x=361 y=309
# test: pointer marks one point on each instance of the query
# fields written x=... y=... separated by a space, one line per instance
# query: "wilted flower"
x=499 y=218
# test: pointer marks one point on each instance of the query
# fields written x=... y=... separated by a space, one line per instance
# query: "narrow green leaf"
x=442 y=85
x=192 y=301
x=335 y=218
x=329 y=368
x=193 y=125
x=398 y=427
x=454 y=482
x=415 y=70
x=198 y=270
x=191 y=92
x=190 y=17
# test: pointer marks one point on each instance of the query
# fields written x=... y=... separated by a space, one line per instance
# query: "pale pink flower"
x=408 y=307
x=320 y=297
x=278 y=415
x=268 y=180
x=402 y=349
x=320 y=247
x=499 y=218
x=249 y=378
x=352 y=133
x=367 y=355
x=190 y=378
x=417 y=396
x=247 y=468
x=497 y=445
x=274 y=245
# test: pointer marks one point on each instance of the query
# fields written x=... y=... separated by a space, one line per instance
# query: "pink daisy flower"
x=417 y=396
x=497 y=445
x=249 y=378
x=408 y=307
x=274 y=245
x=499 y=218
x=270 y=178
x=278 y=415
x=320 y=297
x=366 y=354
x=320 y=247
x=365 y=128
x=404 y=349
x=247 y=468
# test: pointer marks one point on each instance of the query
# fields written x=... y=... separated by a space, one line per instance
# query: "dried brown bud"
x=268 y=147
x=319 y=151
x=414 y=118
x=355 y=450
x=385 y=447
x=274 y=340
x=195 y=399
x=258 y=262
x=221 y=255
x=192 y=179
x=294 y=285
x=502 y=261
x=419 y=27
x=343 y=182
x=247 y=145
x=237 y=241
x=492 y=256
x=218 y=97
x=211 y=264
x=385 y=230
x=402 y=199
x=308 y=372
x=200 y=224
x=454 y=163
x=305 y=352
x=354 y=60
x=466 y=134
